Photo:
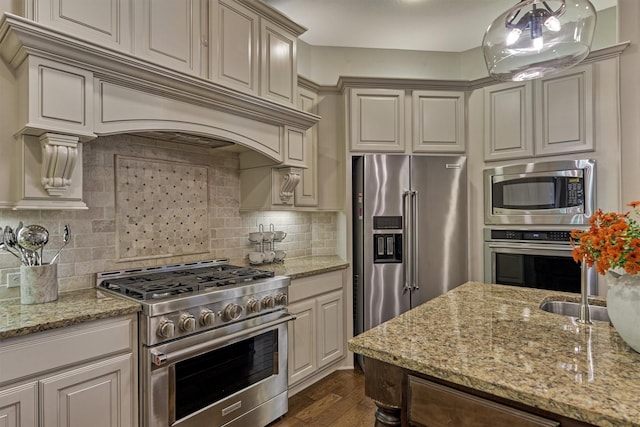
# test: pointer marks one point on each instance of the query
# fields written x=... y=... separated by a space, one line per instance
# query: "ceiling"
x=427 y=25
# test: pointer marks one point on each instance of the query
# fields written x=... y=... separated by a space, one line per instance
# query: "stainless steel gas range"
x=213 y=342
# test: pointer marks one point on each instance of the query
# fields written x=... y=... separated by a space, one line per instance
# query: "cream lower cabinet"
x=316 y=336
x=18 y=405
x=385 y=120
x=79 y=376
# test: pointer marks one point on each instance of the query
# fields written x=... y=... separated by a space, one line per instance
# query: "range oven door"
x=235 y=375
x=543 y=266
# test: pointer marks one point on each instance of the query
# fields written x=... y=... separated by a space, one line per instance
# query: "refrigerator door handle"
x=415 y=283
x=406 y=241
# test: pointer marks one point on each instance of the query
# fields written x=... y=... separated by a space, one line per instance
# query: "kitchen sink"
x=567 y=308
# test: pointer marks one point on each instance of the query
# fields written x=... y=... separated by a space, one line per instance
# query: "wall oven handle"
x=529 y=246
x=160 y=359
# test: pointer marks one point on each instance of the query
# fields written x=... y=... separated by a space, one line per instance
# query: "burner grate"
x=176 y=282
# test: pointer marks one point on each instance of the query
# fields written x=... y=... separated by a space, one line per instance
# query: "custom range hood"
x=71 y=90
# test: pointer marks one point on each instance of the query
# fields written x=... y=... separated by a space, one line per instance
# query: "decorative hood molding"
x=101 y=91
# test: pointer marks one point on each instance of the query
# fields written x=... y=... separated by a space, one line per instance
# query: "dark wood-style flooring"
x=336 y=401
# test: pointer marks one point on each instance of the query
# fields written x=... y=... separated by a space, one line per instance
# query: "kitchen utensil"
x=267 y=236
x=279 y=235
x=65 y=239
x=33 y=238
x=4 y=247
x=10 y=242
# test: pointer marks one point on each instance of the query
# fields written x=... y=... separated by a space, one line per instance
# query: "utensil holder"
x=38 y=284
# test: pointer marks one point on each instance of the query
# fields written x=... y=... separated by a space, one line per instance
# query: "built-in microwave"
x=557 y=192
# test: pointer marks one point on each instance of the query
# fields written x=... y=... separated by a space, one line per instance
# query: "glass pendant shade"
x=537 y=37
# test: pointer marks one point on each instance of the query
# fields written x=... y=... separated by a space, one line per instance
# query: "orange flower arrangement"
x=612 y=241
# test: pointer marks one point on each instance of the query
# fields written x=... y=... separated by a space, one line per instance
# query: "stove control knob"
x=207 y=317
x=166 y=329
x=253 y=306
x=187 y=323
x=281 y=299
x=231 y=312
x=268 y=302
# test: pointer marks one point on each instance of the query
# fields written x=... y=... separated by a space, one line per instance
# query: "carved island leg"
x=383 y=383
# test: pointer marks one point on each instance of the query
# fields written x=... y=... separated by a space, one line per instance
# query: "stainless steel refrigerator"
x=410 y=232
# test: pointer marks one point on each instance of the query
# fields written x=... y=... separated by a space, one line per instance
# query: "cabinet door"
x=564 y=112
x=98 y=395
x=438 y=121
x=168 y=33
x=376 y=120
x=235 y=35
x=508 y=117
x=302 y=340
x=18 y=406
x=107 y=22
x=279 y=74
x=307 y=190
x=330 y=328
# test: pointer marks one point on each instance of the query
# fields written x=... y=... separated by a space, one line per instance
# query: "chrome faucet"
x=584 y=314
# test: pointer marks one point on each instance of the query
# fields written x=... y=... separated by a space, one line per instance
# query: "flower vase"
x=623 y=306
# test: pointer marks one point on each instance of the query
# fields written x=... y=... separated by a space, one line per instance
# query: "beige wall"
x=324 y=65
x=95 y=232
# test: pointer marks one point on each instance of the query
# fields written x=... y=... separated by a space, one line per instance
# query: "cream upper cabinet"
x=234 y=45
x=168 y=32
x=386 y=120
x=564 y=111
x=438 y=121
x=306 y=193
x=508 y=117
x=279 y=71
x=108 y=22
x=548 y=116
x=376 y=120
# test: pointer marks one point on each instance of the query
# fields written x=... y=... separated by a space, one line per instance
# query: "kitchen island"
x=491 y=348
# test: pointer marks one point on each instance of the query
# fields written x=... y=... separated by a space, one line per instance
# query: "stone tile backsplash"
x=100 y=234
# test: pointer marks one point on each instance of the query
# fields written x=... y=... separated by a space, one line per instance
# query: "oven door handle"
x=529 y=246
x=159 y=359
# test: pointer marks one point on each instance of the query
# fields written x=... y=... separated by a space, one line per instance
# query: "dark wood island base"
x=406 y=398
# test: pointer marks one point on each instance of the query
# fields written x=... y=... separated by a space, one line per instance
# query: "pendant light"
x=538 y=37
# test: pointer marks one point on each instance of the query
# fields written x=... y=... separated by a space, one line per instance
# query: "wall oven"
x=558 y=192
x=534 y=259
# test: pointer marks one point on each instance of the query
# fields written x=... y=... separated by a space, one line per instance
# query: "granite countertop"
x=495 y=339
x=296 y=268
x=69 y=309
x=84 y=305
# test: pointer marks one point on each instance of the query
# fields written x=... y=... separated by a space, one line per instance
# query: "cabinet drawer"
x=435 y=405
x=307 y=287
x=44 y=351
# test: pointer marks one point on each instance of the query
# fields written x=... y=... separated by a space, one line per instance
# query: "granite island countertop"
x=495 y=339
